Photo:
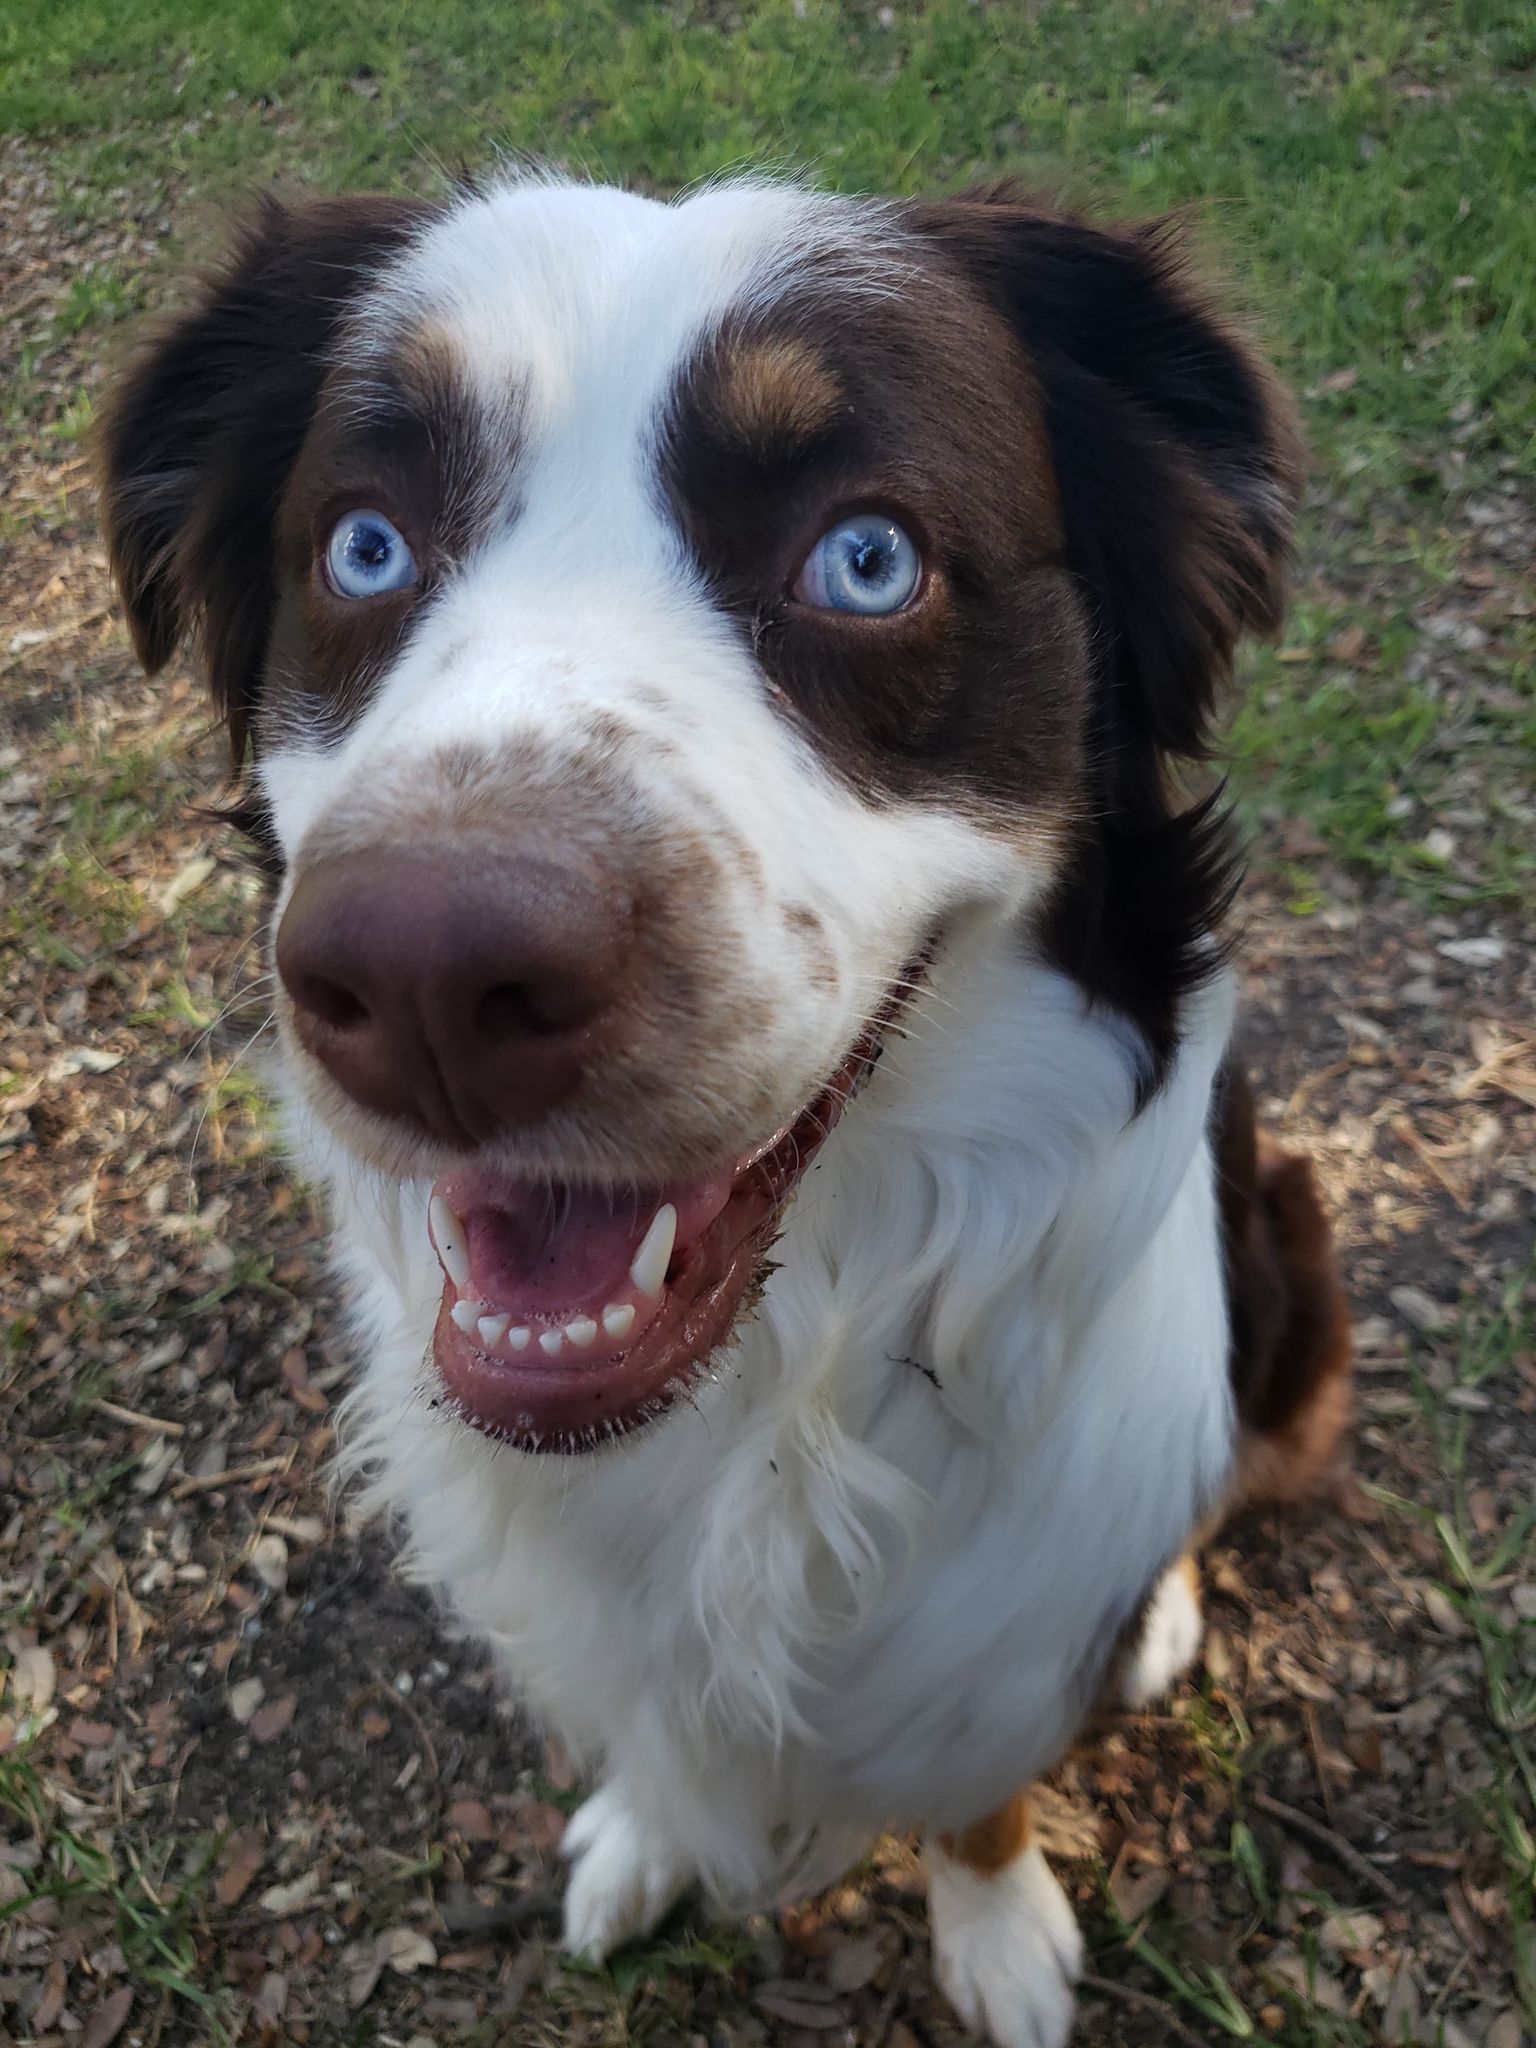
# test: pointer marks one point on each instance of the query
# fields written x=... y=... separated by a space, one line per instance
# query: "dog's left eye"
x=367 y=556
x=864 y=564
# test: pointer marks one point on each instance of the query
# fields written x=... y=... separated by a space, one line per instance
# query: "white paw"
x=1170 y=1638
x=624 y=1879
x=1006 y=1949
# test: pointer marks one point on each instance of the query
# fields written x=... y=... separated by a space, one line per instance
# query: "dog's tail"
x=1290 y=1318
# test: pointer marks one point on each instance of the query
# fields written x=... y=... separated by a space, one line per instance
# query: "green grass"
x=1367 y=166
x=1477 y=1572
x=153 y=1913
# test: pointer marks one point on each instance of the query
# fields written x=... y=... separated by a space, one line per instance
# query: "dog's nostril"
x=515 y=1009
x=331 y=1002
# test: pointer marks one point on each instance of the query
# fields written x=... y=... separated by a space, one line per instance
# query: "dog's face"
x=652 y=630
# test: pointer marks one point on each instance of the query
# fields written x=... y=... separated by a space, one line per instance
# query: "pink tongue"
x=540 y=1251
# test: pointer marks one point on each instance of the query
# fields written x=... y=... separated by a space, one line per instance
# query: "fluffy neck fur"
x=869 y=1575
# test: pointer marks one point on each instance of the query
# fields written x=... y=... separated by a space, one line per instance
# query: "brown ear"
x=1178 y=466
x=201 y=432
x=1175 y=449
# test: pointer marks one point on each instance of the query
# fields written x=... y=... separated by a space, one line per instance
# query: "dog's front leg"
x=624 y=1876
x=1006 y=1949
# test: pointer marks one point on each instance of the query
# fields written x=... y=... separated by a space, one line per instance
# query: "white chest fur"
x=874 y=1573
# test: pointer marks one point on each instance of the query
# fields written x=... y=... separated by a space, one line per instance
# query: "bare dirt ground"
x=251 y=1788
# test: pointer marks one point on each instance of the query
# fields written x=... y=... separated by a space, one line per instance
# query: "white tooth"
x=465 y=1313
x=649 y=1270
x=619 y=1319
x=448 y=1237
x=519 y=1337
x=582 y=1330
x=551 y=1341
x=492 y=1328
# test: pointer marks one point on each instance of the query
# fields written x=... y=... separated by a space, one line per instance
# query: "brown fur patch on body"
x=992 y=1843
x=1290 y=1320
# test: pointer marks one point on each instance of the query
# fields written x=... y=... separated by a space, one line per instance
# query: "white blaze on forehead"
x=565 y=294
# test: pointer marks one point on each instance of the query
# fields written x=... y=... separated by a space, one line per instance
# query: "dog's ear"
x=1175 y=450
x=202 y=430
x=1178 y=468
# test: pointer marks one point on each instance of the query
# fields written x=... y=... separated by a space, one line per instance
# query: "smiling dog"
x=711 y=683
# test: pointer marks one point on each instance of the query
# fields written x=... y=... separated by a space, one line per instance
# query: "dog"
x=718 y=687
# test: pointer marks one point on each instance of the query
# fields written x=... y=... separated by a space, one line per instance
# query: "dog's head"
x=646 y=633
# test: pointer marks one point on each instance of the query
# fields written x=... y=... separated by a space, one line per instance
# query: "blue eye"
x=864 y=564
x=367 y=556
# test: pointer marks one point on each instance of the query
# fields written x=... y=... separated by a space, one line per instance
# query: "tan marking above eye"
x=430 y=365
x=776 y=391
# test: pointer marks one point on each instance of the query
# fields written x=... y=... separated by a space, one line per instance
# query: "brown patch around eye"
x=772 y=392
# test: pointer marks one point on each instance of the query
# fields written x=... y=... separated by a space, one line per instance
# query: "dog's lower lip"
x=567 y=1403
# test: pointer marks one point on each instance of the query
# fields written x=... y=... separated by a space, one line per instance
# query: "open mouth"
x=573 y=1315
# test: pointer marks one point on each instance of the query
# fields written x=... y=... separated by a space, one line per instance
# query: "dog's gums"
x=571 y=1316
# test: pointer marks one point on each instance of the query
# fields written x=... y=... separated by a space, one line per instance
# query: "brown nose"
x=460 y=991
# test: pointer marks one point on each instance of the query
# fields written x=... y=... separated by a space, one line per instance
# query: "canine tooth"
x=492 y=1328
x=551 y=1341
x=519 y=1337
x=448 y=1237
x=581 y=1330
x=649 y=1270
x=465 y=1314
x=619 y=1319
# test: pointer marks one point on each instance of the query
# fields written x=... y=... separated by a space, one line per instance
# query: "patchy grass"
x=1366 y=170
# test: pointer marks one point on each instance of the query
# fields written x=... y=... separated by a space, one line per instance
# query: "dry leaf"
x=184 y=882
x=245 y=1698
x=1350 y=1933
x=242 y=1860
x=275 y=1718
x=1419 y=1309
x=269 y=1561
x=288 y=1898
x=540 y=1824
x=1400 y=2015
x=51 y=2004
x=367 y=1968
x=407 y=1950
x=1135 y=1897
x=472 y=1820
x=853 y=1964
x=1443 y=1612
x=33 y=1677
x=108 y=2020
x=799 y=2005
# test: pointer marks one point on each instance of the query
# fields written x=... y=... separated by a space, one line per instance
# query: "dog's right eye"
x=866 y=564
x=367 y=556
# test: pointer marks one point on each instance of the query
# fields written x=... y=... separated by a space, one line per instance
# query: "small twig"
x=1403 y=1128
x=1324 y=1837
x=1314 y=1743
x=885 y=2019
x=376 y=1689
x=236 y=1475
x=136 y=1420
x=61 y=632
x=1144 y=2002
